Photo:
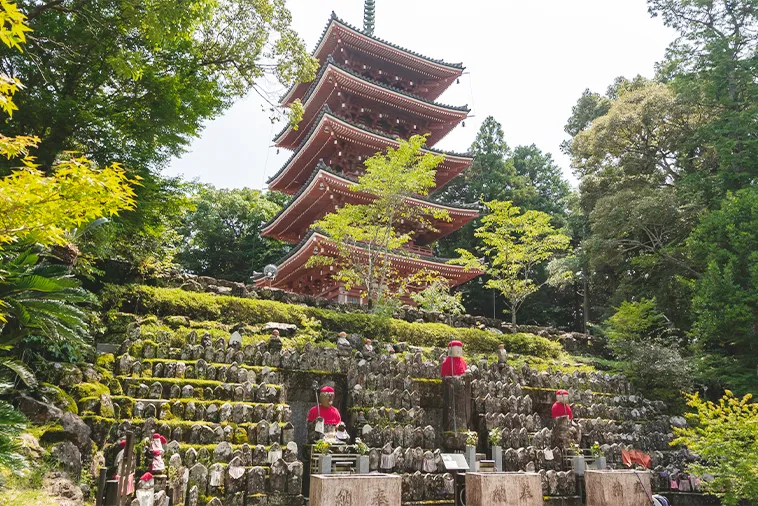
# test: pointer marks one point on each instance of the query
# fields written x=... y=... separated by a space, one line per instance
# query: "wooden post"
x=100 y=497
x=127 y=468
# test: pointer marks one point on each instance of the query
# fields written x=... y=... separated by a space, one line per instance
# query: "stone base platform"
x=356 y=490
x=618 y=488
x=503 y=489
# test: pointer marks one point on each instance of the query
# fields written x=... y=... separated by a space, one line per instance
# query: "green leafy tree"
x=725 y=297
x=134 y=81
x=515 y=244
x=221 y=236
x=438 y=298
x=649 y=351
x=368 y=235
x=545 y=188
x=713 y=63
x=725 y=436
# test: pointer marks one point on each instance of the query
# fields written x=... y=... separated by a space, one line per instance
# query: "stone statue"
x=155 y=450
x=325 y=410
x=502 y=355
x=564 y=429
x=342 y=436
x=453 y=365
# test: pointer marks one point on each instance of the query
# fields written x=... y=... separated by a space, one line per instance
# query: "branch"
x=42 y=8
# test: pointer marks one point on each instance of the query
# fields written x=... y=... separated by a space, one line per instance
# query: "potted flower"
x=361 y=449
x=577 y=459
x=321 y=448
x=597 y=452
x=472 y=439
x=495 y=437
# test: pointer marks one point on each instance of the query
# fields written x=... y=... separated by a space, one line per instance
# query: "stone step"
x=194 y=410
x=176 y=388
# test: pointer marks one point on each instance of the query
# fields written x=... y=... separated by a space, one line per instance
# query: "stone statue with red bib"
x=454 y=364
x=324 y=418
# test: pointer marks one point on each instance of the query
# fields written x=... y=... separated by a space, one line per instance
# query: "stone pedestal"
x=503 y=489
x=617 y=488
x=456 y=411
x=356 y=490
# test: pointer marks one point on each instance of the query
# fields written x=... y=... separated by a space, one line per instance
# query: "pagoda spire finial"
x=369 y=16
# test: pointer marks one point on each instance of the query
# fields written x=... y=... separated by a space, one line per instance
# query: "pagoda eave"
x=295 y=276
x=336 y=82
x=340 y=34
x=326 y=192
x=326 y=140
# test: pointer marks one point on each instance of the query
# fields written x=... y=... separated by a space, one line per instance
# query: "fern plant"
x=40 y=308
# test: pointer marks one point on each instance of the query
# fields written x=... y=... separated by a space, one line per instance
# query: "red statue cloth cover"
x=635 y=457
x=560 y=409
x=453 y=366
x=331 y=415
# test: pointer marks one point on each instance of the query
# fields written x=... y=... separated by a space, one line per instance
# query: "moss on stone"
x=59 y=398
x=89 y=390
x=231 y=310
x=106 y=361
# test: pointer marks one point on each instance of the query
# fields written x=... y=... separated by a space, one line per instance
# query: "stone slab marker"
x=503 y=489
x=617 y=488
x=355 y=490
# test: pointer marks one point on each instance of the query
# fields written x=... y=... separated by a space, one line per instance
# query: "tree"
x=515 y=245
x=545 y=189
x=437 y=297
x=221 y=236
x=368 y=235
x=713 y=64
x=491 y=176
x=134 y=81
x=648 y=350
x=38 y=300
x=725 y=436
x=725 y=297
x=39 y=208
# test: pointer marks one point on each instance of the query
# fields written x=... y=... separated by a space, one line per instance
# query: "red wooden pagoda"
x=367 y=94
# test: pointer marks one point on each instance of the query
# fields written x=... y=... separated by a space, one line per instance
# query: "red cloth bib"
x=560 y=409
x=331 y=415
x=453 y=366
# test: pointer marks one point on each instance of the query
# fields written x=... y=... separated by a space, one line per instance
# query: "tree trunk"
x=585 y=304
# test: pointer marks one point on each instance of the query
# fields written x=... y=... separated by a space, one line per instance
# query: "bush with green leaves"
x=205 y=306
x=648 y=353
x=725 y=436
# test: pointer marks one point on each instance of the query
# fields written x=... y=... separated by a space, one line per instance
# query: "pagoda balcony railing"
x=423 y=251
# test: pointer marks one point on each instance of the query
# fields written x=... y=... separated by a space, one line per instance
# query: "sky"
x=527 y=62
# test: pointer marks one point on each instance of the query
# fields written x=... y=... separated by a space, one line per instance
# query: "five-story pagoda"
x=367 y=94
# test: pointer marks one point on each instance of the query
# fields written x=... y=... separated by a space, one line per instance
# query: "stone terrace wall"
x=571 y=341
x=225 y=409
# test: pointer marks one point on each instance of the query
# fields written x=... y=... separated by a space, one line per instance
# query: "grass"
x=26 y=497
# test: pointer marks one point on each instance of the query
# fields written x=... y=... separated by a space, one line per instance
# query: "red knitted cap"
x=561 y=392
x=328 y=390
x=455 y=343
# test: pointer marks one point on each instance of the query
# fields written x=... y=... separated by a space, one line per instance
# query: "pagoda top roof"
x=332 y=64
x=322 y=167
x=431 y=65
x=327 y=111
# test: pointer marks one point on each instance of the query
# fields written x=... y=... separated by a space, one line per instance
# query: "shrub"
x=177 y=302
x=725 y=435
